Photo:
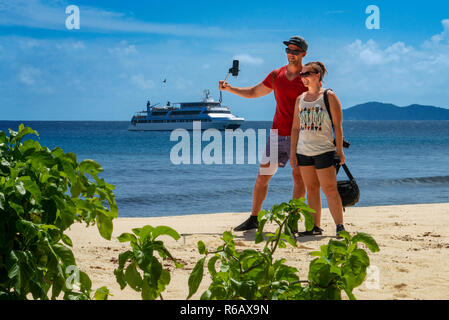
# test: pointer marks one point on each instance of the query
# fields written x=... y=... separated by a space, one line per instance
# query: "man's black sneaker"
x=340 y=227
x=316 y=231
x=249 y=224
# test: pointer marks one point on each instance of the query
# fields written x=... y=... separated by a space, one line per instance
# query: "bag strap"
x=326 y=102
x=348 y=173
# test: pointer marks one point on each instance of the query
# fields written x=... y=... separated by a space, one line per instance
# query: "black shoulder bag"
x=348 y=189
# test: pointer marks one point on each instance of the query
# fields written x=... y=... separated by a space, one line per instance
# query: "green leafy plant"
x=140 y=268
x=254 y=275
x=42 y=193
x=340 y=265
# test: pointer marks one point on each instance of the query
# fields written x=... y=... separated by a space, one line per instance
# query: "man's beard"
x=295 y=62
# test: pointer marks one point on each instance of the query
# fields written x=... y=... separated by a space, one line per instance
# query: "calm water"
x=394 y=162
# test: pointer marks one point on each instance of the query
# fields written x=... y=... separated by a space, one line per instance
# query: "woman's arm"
x=337 y=119
x=296 y=127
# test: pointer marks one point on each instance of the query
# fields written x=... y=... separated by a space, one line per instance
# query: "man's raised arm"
x=257 y=91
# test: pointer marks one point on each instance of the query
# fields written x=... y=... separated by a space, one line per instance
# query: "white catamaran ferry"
x=181 y=116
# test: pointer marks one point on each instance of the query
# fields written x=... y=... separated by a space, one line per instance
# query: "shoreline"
x=412 y=262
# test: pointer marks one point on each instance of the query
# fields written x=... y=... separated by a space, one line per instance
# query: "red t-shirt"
x=286 y=92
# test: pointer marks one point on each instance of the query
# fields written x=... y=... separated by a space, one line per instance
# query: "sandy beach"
x=412 y=262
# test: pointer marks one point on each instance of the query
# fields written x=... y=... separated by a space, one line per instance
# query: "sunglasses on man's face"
x=294 y=52
x=307 y=73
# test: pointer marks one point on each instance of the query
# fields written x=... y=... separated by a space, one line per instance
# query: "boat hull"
x=170 y=126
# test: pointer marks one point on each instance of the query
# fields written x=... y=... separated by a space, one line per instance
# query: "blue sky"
x=123 y=50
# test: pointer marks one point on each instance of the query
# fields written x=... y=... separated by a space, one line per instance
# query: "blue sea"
x=394 y=162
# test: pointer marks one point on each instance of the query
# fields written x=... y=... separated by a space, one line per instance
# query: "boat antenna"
x=234 y=71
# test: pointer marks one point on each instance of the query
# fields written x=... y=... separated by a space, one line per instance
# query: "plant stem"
x=279 y=236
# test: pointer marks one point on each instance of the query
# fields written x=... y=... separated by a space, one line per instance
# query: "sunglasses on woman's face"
x=293 y=52
x=307 y=73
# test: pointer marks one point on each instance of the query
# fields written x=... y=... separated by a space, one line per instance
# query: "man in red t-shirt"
x=287 y=85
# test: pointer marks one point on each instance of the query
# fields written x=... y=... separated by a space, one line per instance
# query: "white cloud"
x=123 y=49
x=246 y=58
x=443 y=37
x=370 y=53
x=28 y=75
x=71 y=46
x=397 y=73
x=39 y=14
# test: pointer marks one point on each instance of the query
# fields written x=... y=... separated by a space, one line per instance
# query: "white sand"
x=413 y=262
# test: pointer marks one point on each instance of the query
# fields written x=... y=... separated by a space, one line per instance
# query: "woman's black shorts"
x=321 y=161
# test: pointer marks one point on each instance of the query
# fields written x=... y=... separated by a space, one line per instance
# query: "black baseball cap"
x=297 y=41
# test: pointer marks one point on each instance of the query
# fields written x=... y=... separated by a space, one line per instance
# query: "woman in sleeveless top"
x=312 y=145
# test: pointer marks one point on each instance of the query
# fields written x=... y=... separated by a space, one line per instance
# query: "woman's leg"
x=310 y=178
x=328 y=181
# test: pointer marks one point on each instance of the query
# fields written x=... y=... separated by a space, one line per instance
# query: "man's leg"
x=260 y=191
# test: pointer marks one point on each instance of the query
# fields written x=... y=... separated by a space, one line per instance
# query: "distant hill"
x=387 y=111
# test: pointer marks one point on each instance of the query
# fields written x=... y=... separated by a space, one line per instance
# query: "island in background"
x=388 y=111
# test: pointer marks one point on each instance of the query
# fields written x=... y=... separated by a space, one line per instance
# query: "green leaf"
x=309 y=220
x=148 y=292
x=289 y=239
x=259 y=234
x=345 y=235
x=206 y=295
x=17 y=208
x=227 y=236
x=367 y=240
x=337 y=247
x=359 y=257
x=156 y=270
x=133 y=277
x=127 y=237
x=23 y=131
x=123 y=258
x=245 y=289
x=32 y=188
x=316 y=253
x=65 y=254
x=211 y=265
x=196 y=277
x=101 y=293
x=164 y=230
x=319 y=272
x=86 y=283
x=105 y=226
x=202 y=247
x=67 y=240
x=120 y=278
x=165 y=277
x=14 y=272
x=145 y=233
x=90 y=166
x=75 y=190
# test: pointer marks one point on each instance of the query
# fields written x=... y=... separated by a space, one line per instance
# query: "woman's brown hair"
x=318 y=67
